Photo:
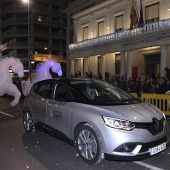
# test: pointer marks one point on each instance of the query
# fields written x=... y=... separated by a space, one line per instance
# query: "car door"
x=59 y=109
x=39 y=101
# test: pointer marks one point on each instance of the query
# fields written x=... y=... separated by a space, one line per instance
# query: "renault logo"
x=156 y=123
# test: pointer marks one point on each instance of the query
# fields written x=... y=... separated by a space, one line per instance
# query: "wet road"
x=39 y=151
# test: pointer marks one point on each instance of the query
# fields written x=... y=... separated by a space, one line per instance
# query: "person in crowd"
x=167 y=73
x=152 y=88
x=90 y=75
x=100 y=76
x=79 y=73
x=142 y=87
x=130 y=85
x=75 y=74
x=122 y=84
x=163 y=88
x=107 y=76
x=168 y=84
x=115 y=83
x=87 y=75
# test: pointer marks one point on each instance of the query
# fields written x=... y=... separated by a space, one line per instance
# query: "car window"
x=45 y=90
x=88 y=90
x=76 y=97
x=99 y=92
x=62 y=93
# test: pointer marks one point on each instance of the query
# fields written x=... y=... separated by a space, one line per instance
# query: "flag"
x=141 y=23
x=134 y=22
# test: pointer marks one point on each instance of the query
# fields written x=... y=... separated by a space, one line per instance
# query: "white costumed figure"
x=6 y=83
x=42 y=73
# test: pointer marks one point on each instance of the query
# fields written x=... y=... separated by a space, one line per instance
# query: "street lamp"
x=44 y=49
x=29 y=66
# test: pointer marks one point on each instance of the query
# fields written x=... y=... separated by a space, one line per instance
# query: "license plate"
x=157 y=149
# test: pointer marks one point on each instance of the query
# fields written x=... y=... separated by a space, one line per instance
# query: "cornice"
x=105 y=6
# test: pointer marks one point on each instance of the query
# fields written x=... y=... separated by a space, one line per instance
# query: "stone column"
x=129 y=65
x=102 y=65
x=85 y=66
x=122 y=64
x=81 y=67
x=72 y=67
x=163 y=61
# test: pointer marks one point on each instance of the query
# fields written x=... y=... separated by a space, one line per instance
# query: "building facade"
x=103 y=41
x=33 y=31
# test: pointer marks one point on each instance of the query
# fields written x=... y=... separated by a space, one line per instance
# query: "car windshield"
x=100 y=92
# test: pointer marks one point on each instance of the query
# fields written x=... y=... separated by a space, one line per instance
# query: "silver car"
x=101 y=120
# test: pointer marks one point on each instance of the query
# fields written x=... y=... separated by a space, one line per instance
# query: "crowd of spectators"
x=143 y=84
x=148 y=84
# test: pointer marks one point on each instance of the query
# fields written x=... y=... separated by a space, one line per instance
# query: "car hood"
x=141 y=112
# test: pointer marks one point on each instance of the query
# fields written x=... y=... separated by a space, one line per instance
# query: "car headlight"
x=118 y=123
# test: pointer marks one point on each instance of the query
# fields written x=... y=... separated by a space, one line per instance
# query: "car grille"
x=147 y=146
x=155 y=127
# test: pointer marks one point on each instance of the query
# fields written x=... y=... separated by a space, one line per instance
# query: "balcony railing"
x=45 y=57
x=15 y=21
x=151 y=27
x=13 y=33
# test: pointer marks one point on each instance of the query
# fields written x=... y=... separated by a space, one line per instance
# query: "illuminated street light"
x=42 y=58
x=29 y=66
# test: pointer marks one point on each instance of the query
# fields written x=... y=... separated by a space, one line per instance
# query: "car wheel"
x=28 y=121
x=89 y=145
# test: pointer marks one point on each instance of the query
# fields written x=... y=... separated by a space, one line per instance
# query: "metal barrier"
x=134 y=95
x=162 y=101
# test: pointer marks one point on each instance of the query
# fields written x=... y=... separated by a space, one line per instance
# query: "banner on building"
x=134 y=19
x=141 y=22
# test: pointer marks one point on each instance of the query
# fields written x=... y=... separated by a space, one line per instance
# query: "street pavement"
x=13 y=112
x=5 y=103
x=38 y=151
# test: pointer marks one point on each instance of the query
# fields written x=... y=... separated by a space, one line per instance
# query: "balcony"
x=14 y=22
x=151 y=33
x=37 y=45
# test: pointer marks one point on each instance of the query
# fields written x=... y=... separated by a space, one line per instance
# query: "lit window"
x=85 y=32
x=39 y=18
x=152 y=13
x=119 y=23
x=101 y=28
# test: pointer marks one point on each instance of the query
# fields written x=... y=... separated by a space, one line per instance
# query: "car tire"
x=28 y=121
x=89 y=145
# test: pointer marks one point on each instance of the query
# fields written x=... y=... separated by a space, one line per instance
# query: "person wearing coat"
x=163 y=88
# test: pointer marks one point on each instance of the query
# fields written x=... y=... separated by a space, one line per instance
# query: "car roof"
x=65 y=80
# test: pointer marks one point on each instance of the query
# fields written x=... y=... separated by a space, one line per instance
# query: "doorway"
x=152 y=64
